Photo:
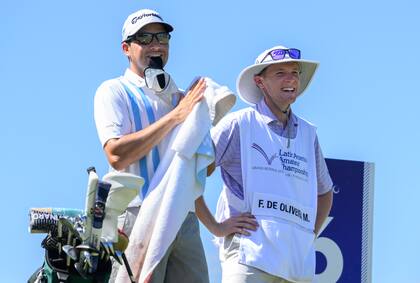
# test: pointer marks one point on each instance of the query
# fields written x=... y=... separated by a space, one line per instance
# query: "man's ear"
x=125 y=48
x=258 y=81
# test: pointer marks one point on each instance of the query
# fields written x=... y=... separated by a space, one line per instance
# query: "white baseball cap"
x=139 y=19
x=251 y=93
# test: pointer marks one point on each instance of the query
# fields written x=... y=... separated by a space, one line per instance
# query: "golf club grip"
x=90 y=200
x=99 y=213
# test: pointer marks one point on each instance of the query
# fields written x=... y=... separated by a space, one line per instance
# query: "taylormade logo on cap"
x=135 y=19
x=139 y=19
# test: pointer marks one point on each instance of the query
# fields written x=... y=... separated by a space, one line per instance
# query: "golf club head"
x=85 y=248
x=79 y=266
x=88 y=258
x=71 y=251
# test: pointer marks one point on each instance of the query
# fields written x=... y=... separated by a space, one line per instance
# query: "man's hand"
x=187 y=103
x=132 y=147
x=242 y=224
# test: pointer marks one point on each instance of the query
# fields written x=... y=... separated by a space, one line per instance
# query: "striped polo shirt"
x=125 y=105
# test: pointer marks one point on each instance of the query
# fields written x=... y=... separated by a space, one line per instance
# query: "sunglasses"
x=145 y=38
x=279 y=54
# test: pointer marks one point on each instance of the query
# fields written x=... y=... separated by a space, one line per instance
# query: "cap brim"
x=251 y=94
x=168 y=27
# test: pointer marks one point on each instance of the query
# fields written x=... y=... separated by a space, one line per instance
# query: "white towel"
x=178 y=182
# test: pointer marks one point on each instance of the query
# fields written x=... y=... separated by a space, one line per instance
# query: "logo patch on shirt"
x=291 y=163
x=260 y=150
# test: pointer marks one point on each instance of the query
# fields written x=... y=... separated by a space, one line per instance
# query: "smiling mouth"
x=288 y=89
x=155 y=55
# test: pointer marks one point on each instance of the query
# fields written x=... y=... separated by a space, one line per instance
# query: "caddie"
x=273 y=168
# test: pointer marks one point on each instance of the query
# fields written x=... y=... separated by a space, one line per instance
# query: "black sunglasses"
x=145 y=38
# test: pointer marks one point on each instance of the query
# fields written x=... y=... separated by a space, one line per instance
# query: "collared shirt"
x=115 y=117
x=134 y=78
x=226 y=139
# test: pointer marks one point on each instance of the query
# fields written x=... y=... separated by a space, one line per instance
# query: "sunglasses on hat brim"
x=280 y=54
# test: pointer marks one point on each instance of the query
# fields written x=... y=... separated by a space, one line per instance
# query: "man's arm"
x=323 y=210
x=123 y=151
x=235 y=224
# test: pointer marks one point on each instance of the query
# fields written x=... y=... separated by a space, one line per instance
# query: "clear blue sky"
x=364 y=100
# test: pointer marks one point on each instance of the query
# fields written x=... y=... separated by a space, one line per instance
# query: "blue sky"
x=364 y=100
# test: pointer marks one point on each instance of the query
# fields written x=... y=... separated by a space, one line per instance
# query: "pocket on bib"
x=288 y=250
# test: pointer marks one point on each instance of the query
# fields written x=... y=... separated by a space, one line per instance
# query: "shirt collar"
x=265 y=112
x=134 y=78
x=268 y=116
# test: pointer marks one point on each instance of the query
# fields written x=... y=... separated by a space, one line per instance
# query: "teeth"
x=288 y=89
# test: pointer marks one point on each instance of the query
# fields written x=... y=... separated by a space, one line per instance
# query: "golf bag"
x=80 y=243
x=54 y=270
x=57 y=266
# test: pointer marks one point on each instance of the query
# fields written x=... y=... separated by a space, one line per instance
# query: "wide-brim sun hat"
x=249 y=92
x=139 y=19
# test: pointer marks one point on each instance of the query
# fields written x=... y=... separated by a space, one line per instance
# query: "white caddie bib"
x=280 y=189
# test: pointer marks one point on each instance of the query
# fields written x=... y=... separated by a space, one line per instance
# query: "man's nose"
x=291 y=76
x=155 y=41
